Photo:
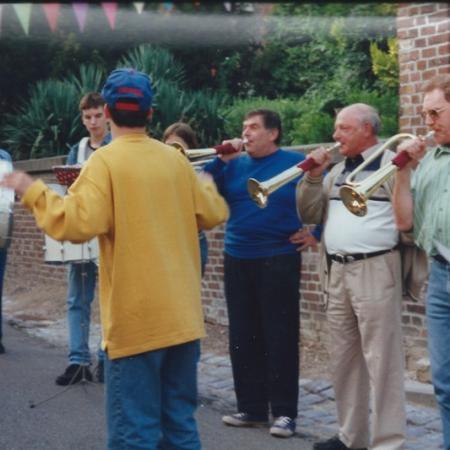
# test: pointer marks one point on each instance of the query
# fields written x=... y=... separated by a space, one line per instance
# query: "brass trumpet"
x=199 y=156
x=260 y=190
x=355 y=195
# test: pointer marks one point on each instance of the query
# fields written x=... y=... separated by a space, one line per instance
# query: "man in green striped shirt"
x=421 y=201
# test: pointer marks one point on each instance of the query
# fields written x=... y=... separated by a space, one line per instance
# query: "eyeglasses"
x=433 y=113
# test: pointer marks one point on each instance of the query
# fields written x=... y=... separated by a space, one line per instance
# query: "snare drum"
x=6 y=207
x=62 y=252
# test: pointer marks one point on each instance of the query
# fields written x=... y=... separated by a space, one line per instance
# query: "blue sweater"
x=252 y=232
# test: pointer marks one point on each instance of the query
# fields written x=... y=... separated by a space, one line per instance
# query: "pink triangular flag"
x=80 y=13
x=23 y=11
x=139 y=6
x=110 y=9
x=51 y=11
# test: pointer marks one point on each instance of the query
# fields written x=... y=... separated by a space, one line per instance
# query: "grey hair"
x=367 y=114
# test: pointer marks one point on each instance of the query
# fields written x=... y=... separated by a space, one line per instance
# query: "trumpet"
x=200 y=156
x=260 y=190
x=355 y=195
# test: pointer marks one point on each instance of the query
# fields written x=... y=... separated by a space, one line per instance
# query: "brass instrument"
x=356 y=194
x=260 y=190
x=199 y=156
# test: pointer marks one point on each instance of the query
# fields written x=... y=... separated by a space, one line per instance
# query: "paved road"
x=73 y=419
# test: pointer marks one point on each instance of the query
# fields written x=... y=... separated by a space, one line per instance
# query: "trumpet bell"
x=353 y=200
x=258 y=192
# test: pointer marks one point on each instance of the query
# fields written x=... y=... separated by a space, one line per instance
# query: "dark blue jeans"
x=3 y=253
x=263 y=308
x=151 y=399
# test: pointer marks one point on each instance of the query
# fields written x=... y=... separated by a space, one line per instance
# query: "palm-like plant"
x=45 y=123
x=89 y=79
x=157 y=62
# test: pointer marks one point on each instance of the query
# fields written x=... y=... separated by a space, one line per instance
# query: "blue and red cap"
x=128 y=90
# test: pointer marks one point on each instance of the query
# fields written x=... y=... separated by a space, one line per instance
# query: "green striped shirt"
x=431 y=192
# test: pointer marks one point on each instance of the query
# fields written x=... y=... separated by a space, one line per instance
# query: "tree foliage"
x=310 y=60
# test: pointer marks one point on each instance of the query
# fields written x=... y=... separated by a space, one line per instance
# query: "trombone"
x=355 y=195
x=260 y=190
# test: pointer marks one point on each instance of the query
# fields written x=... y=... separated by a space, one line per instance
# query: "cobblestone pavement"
x=316 y=418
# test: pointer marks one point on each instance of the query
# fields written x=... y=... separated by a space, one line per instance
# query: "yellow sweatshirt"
x=145 y=203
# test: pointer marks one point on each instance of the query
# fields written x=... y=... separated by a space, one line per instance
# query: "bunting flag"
x=110 y=9
x=139 y=6
x=80 y=10
x=23 y=11
x=51 y=11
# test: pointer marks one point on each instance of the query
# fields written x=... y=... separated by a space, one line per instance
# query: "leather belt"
x=344 y=259
x=441 y=259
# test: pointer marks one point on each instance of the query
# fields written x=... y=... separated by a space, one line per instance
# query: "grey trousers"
x=364 y=317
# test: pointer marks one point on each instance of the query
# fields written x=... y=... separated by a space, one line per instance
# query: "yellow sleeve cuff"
x=32 y=193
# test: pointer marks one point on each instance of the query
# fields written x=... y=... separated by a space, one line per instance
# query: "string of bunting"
x=52 y=12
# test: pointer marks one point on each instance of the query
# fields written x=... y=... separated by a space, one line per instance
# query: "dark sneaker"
x=74 y=374
x=333 y=444
x=2 y=349
x=283 y=426
x=243 y=420
x=100 y=372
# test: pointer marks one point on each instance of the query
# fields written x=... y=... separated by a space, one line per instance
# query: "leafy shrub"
x=45 y=123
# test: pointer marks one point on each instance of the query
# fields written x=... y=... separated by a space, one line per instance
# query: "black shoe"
x=100 y=372
x=2 y=349
x=333 y=444
x=74 y=374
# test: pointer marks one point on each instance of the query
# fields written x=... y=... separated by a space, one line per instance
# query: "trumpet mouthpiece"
x=245 y=141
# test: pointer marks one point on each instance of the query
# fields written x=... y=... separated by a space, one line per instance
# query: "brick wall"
x=424 y=50
x=423 y=31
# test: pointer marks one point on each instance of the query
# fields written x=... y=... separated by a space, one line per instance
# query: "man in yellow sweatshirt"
x=146 y=204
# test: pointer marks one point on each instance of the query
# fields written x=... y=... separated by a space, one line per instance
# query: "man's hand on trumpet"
x=238 y=144
x=415 y=148
x=323 y=158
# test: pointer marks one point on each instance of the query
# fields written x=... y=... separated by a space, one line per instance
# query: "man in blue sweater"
x=262 y=274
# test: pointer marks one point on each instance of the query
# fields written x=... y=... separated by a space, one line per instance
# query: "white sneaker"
x=283 y=426
x=242 y=420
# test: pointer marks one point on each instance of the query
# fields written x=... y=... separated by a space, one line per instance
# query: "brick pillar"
x=423 y=31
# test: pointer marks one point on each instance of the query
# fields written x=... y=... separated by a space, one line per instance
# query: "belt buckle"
x=350 y=258
x=340 y=258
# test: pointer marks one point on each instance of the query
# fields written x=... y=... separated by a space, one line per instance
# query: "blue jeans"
x=263 y=297
x=151 y=399
x=438 y=319
x=81 y=293
x=3 y=253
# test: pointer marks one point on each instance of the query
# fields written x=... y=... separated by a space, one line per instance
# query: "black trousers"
x=263 y=309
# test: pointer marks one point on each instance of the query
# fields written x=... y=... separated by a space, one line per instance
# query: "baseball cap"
x=128 y=90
